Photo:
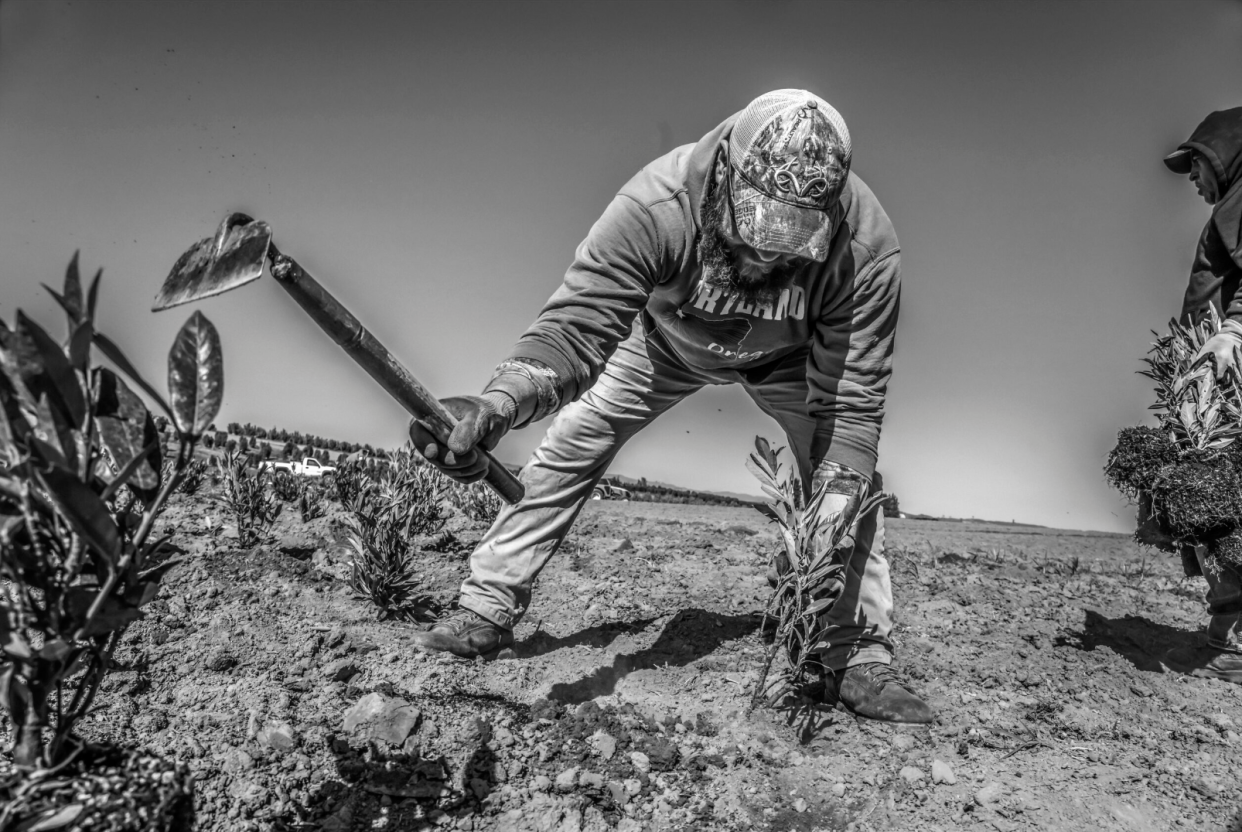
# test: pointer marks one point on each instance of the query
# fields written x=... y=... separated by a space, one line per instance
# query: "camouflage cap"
x=789 y=156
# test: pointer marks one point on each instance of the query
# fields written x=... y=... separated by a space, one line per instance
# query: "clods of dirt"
x=623 y=703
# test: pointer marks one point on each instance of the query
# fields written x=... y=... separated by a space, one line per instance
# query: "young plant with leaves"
x=814 y=549
x=476 y=500
x=386 y=518
x=404 y=499
x=253 y=505
x=78 y=503
x=348 y=481
x=286 y=487
x=192 y=478
x=310 y=503
x=385 y=575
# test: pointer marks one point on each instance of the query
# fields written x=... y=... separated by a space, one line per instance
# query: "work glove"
x=835 y=505
x=1224 y=348
x=843 y=499
x=481 y=422
x=845 y=489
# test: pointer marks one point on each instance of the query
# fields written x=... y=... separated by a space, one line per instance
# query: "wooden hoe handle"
x=380 y=364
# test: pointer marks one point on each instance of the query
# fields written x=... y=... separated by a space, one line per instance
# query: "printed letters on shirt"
x=714 y=301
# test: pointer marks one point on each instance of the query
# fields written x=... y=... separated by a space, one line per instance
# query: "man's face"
x=1204 y=179
x=729 y=263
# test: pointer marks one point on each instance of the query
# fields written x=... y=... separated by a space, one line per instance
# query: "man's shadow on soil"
x=599 y=635
x=689 y=636
x=1140 y=640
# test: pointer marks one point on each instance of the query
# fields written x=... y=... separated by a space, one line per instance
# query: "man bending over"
x=752 y=257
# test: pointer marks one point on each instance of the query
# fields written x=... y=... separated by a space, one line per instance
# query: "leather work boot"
x=1206 y=662
x=466 y=634
x=871 y=690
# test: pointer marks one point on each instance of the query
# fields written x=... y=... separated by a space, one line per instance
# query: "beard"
x=720 y=271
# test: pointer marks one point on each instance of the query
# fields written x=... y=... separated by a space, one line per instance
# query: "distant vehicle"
x=604 y=491
x=308 y=467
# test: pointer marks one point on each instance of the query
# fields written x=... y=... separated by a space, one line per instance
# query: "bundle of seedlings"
x=810 y=580
x=81 y=488
x=1186 y=473
x=387 y=517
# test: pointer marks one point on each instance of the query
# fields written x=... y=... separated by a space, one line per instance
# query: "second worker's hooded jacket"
x=1216 y=274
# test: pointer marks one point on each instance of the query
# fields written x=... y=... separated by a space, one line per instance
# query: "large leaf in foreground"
x=114 y=354
x=86 y=512
x=45 y=368
x=127 y=429
x=56 y=376
x=195 y=375
x=55 y=441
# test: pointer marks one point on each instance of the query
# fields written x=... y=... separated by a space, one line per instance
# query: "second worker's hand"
x=835 y=505
x=481 y=422
x=1224 y=349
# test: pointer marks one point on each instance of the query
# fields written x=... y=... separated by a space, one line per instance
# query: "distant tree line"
x=281 y=436
x=642 y=491
x=263 y=443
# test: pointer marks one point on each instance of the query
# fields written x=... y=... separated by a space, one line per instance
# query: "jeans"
x=642 y=380
x=1224 y=600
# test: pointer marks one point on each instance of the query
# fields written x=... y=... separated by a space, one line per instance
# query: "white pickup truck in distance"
x=308 y=467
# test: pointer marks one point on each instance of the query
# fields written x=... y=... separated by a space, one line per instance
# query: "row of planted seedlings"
x=394 y=510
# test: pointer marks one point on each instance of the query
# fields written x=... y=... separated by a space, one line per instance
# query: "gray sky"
x=435 y=164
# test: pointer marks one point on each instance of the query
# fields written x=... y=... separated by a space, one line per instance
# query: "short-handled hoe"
x=235 y=257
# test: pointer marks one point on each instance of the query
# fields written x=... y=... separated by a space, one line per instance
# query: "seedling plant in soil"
x=253 y=504
x=82 y=487
x=810 y=575
x=389 y=513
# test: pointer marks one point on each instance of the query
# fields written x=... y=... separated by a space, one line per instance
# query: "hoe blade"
x=232 y=258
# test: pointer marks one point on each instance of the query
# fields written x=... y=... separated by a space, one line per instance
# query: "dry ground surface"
x=623 y=703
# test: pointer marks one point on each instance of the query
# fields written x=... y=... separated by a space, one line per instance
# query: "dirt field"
x=623 y=703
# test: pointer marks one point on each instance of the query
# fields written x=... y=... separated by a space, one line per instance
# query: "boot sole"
x=1231 y=676
x=435 y=646
x=839 y=705
x=884 y=721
